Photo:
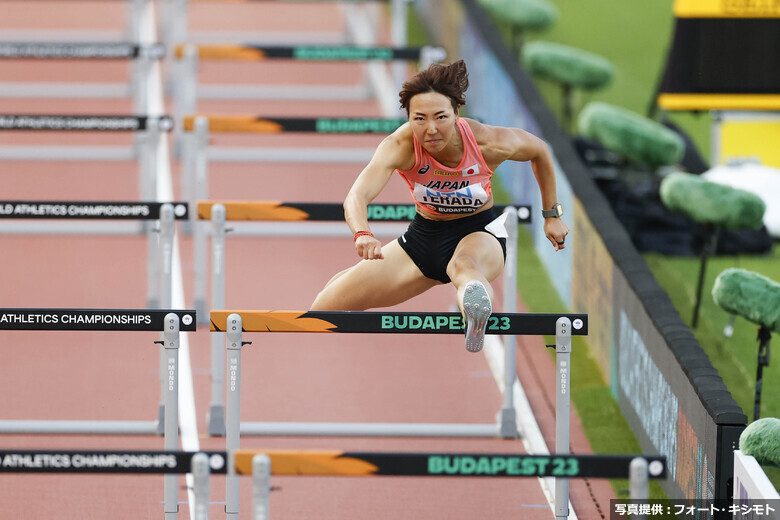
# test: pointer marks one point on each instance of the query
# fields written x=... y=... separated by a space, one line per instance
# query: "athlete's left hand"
x=556 y=231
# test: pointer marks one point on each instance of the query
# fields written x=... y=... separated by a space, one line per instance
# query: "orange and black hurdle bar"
x=262 y=464
x=236 y=323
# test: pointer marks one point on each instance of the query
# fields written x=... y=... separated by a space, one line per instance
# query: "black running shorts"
x=431 y=243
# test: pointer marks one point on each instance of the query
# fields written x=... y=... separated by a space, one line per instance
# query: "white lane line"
x=188 y=426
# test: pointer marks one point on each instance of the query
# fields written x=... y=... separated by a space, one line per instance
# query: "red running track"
x=287 y=377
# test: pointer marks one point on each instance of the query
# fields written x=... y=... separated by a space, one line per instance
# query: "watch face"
x=558 y=209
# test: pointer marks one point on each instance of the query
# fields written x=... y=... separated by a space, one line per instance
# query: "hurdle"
x=262 y=464
x=169 y=463
x=169 y=322
x=361 y=30
x=254 y=212
x=141 y=55
x=147 y=131
x=236 y=323
x=157 y=221
x=189 y=56
x=196 y=152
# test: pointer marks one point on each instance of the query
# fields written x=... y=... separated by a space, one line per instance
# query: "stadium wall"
x=674 y=400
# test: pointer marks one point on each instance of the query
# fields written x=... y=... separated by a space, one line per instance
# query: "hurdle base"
x=369 y=429
x=68 y=153
x=80 y=427
x=216 y=420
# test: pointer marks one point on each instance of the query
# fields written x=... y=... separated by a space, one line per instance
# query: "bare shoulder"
x=500 y=143
x=397 y=149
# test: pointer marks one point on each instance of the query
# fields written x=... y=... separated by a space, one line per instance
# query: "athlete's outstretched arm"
x=515 y=144
x=389 y=155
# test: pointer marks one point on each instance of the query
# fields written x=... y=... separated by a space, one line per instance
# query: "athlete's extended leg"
x=374 y=283
x=477 y=261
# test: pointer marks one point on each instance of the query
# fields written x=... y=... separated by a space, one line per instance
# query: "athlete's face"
x=432 y=120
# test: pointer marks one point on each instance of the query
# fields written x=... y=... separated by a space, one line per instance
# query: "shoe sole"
x=477 y=309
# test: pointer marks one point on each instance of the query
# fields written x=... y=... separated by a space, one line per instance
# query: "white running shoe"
x=477 y=309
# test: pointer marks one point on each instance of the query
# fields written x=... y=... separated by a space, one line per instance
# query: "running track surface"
x=287 y=377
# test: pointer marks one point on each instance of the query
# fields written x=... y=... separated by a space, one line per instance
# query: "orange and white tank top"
x=443 y=190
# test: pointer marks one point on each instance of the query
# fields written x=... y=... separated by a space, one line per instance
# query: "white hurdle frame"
x=136 y=88
x=144 y=149
x=507 y=415
x=235 y=427
x=200 y=464
x=160 y=233
x=359 y=26
x=187 y=91
x=166 y=424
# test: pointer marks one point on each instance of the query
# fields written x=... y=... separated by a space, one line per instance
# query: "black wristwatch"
x=556 y=211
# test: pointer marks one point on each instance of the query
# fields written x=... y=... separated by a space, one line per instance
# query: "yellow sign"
x=672 y=101
x=727 y=8
x=750 y=140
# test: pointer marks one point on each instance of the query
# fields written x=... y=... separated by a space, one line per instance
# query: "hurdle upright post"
x=184 y=81
x=261 y=486
x=508 y=415
x=233 y=334
x=398 y=32
x=200 y=486
x=562 y=409
x=216 y=414
x=167 y=223
x=198 y=190
x=171 y=345
x=162 y=279
x=160 y=260
x=638 y=479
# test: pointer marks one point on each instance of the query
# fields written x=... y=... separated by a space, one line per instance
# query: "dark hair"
x=450 y=80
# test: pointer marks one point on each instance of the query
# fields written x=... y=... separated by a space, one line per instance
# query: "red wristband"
x=359 y=234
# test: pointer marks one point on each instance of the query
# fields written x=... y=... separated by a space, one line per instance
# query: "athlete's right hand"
x=368 y=248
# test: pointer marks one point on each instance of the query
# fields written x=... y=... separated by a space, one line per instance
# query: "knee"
x=323 y=302
x=462 y=264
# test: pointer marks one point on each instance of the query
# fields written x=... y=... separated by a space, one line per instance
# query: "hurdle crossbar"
x=220 y=212
x=273 y=125
x=234 y=326
x=364 y=464
x=80 y=50
x=320 y=211
x=169 y=463
x=160 y=235
x=262 y=464
x=140 y=55
x=365 y=322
